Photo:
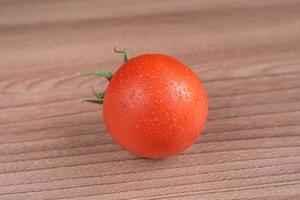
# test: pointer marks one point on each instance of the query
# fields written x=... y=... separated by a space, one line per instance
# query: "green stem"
x=126 y=57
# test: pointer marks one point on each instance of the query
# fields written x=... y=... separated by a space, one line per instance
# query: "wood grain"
x=246 y=52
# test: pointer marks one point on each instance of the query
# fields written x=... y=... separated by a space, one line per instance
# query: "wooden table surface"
x=246 y=52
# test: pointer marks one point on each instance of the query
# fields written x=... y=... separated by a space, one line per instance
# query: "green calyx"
x=102 y=74
x=93 y=101
x=98 y=94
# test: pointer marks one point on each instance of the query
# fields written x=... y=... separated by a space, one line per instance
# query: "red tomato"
x=155 y=106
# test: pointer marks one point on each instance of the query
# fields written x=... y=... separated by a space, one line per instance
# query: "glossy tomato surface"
x=155 y=106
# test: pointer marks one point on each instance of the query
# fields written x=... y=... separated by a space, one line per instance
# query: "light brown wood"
x=246 y=52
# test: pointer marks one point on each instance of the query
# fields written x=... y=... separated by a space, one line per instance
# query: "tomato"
x=155 y=106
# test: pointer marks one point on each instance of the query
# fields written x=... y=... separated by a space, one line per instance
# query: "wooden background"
x=246 y=52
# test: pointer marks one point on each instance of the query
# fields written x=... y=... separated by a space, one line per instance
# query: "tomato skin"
x=155 y=106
